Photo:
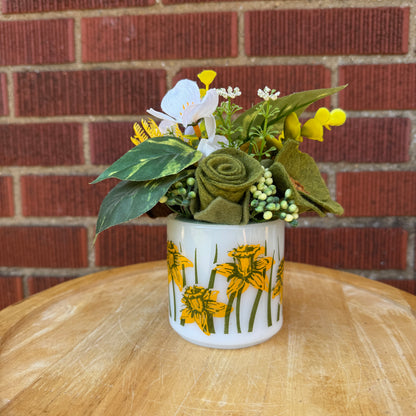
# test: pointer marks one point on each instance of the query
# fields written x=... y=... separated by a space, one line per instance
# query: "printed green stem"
x=174 y=301
x=210 y=322
x=228 y=312
x=278 y=312
x=269 y=295
x=254 y=310
x=213 y=271
x=237 y=312
x=196 y=267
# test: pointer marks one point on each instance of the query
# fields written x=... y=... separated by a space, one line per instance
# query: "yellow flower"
x=175 y=264
x=336 y=117
x=293 y=129
x=142 y=133
x=278 y=289
x=247 y=269
x=206 y=77
x=200 y=306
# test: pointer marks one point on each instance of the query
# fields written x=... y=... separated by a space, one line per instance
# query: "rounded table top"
x=102 y=345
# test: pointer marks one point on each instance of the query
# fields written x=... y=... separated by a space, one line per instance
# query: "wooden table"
x=102 y=345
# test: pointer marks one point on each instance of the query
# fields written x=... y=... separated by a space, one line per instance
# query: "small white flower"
x=230 y=92
x=268 y=94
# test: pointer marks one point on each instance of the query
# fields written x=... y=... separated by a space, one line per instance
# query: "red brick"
x=33 y=6
x=286 y=79
x=129 y=244
x=62 y=195
x=41 y=144
x=178 y=36
x=403 y=284
x=109 y=141
x=6 y=196
x=88 y=92
x=348 y=248
x=37 y=284
x=36 y=42
x=11 y=290
x=4 y=106
x=39 y=246
x=358 y=31
x=377 y=194
x=363 y=140
x=378 y=87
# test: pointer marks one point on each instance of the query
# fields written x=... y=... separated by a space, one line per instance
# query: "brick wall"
x=75 y=75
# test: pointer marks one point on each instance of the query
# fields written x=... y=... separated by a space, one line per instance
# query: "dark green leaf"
x=129 y=200
x=154 y=158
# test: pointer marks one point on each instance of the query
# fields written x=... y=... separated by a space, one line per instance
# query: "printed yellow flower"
x=278 y=289
x=175 y=264
x=247 y=269
x=336 y=117
x=200 y=306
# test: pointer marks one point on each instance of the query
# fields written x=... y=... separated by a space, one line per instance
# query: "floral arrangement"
x=210 y=161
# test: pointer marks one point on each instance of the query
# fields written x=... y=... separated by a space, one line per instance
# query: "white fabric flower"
x=183 y=105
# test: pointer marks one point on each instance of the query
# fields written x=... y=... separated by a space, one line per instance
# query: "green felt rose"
x=224 y=179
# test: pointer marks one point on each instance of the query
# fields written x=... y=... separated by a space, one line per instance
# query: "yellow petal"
x=338 y=117
x=292 y=127
x=207 y=76
x=313 y=129
x=322 y=115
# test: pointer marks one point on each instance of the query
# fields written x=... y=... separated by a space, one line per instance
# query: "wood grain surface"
x=102 y=345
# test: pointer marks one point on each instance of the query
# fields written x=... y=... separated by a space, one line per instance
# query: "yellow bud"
x=206 y=77
x=312 y=129
x=292 y=127
x=338 y=117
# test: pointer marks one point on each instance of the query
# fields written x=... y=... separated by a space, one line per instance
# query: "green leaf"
x=154 y=158
x=291 y=164
x=128 y=200
x=297 y=102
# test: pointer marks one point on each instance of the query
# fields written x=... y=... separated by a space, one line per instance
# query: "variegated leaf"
x=154 y=158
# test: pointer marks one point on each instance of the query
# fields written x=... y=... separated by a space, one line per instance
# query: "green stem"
x=228 y=312
x=237 y=312
x=269 y=296
x=210 y=322
x=254 y=311
x=213 y=272
x=196 y=267
x=174 y=301
x=278 y=312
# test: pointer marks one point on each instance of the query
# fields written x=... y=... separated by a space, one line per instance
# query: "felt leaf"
x=299 y=172
x=297 y=102
x=128 y=200
x=154 y=158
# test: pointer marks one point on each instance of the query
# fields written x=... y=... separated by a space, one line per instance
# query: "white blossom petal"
x=185 y=93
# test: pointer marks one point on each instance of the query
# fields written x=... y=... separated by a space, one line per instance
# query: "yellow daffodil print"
x=278 y=289
x=201 y=306
x=248 y=268
x=176 y=263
